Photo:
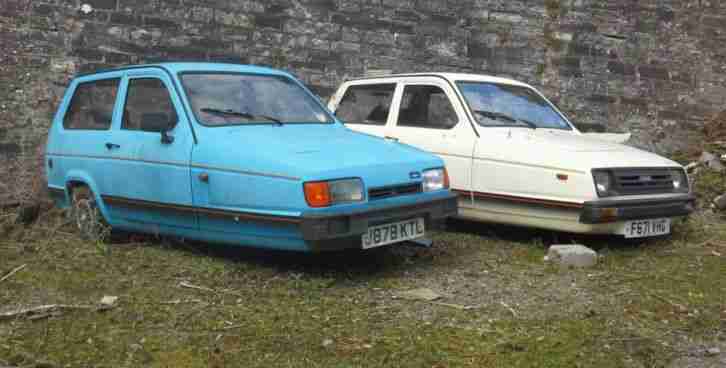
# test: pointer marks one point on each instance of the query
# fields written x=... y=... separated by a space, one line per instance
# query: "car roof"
x=452 y=77
x=188 y=66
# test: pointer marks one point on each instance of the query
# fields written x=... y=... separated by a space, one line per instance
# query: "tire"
x=86 y=215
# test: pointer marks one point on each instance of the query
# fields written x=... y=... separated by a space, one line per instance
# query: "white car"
x=514 y=158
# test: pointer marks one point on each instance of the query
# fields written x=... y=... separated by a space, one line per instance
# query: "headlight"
x=435 y=179
x=680 y=180
x=328 y=193
x=603 y=182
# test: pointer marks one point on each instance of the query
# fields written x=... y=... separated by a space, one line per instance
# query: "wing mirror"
x=158 y=122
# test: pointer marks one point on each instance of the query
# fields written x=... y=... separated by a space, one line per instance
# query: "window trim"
x=331 y=118
x=126 y=100
x=391 y=109
x=425 y=84
x=118 y=80
x=476 y=121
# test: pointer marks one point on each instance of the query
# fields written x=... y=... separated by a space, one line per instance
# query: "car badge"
x=646 y=178
x=414 y=175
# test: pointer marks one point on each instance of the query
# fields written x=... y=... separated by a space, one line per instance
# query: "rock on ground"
x=420 y=294
x=574 y=255
x=711 y=161
x=720 y=202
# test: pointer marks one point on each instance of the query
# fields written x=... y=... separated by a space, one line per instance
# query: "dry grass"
x=646 y=304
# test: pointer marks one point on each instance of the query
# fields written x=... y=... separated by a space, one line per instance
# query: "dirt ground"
x=654 y=303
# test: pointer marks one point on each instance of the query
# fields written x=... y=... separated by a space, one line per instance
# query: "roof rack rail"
x=108 y=70
x=155 y=61
x=221 y=59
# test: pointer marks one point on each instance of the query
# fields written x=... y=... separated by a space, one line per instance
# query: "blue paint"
x=253 y=169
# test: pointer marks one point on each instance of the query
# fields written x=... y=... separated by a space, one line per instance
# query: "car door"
x=152 y=182
x=428 y=116
x=365 y=107
x=76 y=146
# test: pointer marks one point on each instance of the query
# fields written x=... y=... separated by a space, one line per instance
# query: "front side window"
x=426 y=107
x=505 y=105
x=366 y=104
x=91 y=107
x=220 y=99
x=148 y=106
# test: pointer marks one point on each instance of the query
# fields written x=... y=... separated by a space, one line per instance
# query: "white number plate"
x=644 y=228
x=377 y=236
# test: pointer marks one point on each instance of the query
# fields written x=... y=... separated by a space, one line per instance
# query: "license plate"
x=644 y=228
x=377 y=236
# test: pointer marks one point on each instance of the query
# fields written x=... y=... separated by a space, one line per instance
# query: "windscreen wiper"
x=499 y=116
x=246 y=115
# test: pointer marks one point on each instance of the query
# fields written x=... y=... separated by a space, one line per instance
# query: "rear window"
x=366 y=104
x=91 y=106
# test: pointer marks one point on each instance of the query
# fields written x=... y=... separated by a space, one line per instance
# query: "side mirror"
x=157 y=122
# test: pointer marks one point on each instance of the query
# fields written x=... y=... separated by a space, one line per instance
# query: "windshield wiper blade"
x=531 y=124
x=500 y=116
x=496 y=115
x=241 y=114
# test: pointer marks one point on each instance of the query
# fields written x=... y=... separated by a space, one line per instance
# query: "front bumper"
x=324 y=232
x=613 y=210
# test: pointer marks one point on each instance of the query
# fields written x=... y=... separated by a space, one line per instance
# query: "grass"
x=262 y=309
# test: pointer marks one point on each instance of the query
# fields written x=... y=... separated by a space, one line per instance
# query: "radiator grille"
x=393 y=191
x=643 y=181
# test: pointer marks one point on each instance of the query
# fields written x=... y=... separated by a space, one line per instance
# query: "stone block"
x=100 y=4
x=572 y=255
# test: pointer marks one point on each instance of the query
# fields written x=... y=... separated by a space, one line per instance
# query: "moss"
x=555 y=9
x=279 y=59
x=550 y=39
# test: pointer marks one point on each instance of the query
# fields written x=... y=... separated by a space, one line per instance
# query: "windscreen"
x=496 y=104
x=220 y=99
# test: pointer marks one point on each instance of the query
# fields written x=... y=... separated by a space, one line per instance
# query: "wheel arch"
x=76 y=179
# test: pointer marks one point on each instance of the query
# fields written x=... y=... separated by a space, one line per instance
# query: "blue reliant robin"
x=234 y=154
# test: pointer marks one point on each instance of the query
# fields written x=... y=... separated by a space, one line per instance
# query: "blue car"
x=233 y=154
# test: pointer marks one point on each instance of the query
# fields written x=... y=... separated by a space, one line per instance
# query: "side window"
x=148 y=106
x=91 y=106
x=426 y=107
x=366 y=104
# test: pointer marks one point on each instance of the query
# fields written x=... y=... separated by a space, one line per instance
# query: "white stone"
x=108 y=300
x=713 y=351
x=712 y=162
x=421 y=294
x=572 y=255
x=720 y=202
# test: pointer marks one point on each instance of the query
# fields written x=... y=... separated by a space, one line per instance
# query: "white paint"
x=512 y=162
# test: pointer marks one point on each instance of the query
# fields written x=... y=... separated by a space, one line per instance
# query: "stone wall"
x=650 y=67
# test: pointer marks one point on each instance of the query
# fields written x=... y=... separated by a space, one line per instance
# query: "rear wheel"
x=87 y=216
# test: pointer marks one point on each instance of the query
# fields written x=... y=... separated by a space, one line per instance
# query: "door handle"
x=111 y=146
x=204 y=177
x=391 y=138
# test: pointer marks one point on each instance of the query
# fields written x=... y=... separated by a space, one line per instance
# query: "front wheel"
x=87 y=216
